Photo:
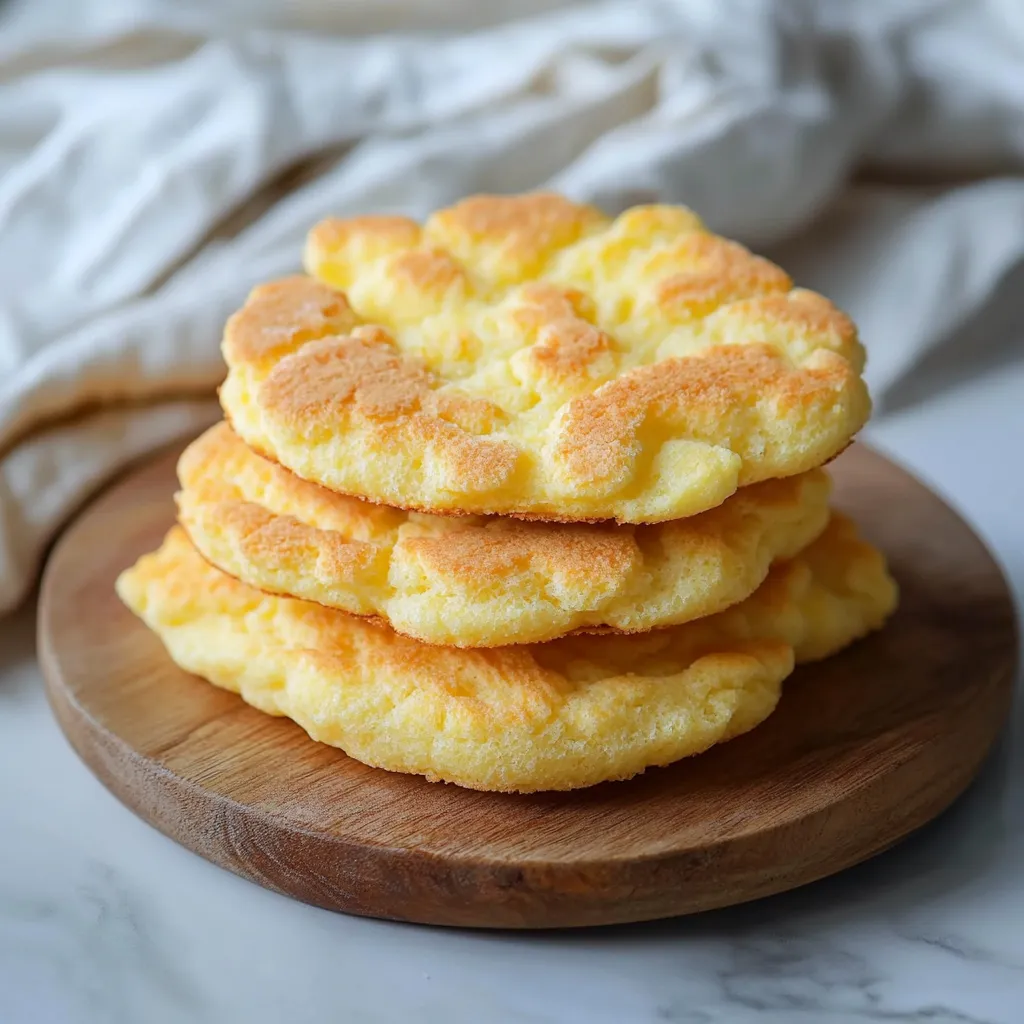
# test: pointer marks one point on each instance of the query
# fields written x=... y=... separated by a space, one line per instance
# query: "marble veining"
x=68 y=936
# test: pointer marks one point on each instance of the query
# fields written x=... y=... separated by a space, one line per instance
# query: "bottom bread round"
x=555 y=716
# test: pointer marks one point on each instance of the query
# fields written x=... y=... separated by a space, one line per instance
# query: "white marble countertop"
x=103 y=920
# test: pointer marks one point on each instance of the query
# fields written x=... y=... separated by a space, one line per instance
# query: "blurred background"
x=158 y=158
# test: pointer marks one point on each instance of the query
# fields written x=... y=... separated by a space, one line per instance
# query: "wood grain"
x=863 y=749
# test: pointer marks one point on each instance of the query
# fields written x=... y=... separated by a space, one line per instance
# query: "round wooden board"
x=863 y=749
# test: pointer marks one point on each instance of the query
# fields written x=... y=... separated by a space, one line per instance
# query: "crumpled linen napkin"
x=159 y=158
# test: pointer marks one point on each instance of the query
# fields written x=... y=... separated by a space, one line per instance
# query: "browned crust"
x=281 y=316
x=381 y=623
x=269 y=517
x=456 y=513
x=521 y=228
x=323 y=373
x=720 y=271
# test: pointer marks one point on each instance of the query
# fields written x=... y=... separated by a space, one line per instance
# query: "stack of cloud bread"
x=524 y=498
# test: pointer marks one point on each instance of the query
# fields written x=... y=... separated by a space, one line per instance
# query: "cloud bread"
x=483 y=582
x=532 y=357
x=561 y=715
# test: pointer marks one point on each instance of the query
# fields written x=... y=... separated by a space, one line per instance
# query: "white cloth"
x=132 y=132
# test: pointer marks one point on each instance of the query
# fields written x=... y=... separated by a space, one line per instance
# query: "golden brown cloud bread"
x=530 y=356
x=483 y=581
x=560 y=715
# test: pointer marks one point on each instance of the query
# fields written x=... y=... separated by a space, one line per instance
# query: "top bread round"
x=529 y=356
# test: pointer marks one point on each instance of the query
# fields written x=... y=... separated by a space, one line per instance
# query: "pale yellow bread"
x=561 y=715
x=530 y=356
x=483 y=582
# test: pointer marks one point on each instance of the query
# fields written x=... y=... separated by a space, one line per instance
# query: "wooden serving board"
x=863 y=749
